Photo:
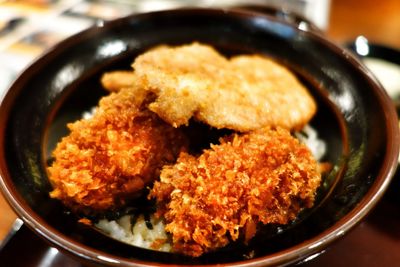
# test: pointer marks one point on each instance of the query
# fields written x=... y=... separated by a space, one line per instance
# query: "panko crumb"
x=266 y=176
x=85 y=221
x=109 y=158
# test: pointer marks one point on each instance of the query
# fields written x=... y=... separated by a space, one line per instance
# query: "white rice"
x=88 y=114
x=309 y=136
x=138 y=234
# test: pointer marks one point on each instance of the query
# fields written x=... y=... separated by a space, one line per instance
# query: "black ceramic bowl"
x=354 y=118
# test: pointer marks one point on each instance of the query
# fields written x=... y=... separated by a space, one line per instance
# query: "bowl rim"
x=301 y=251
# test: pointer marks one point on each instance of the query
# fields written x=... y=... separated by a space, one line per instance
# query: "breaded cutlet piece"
x=114 y=81
x=110 y=157
x=242 y=93
x=263 y=177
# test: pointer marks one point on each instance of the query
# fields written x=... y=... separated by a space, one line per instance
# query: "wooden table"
x=379 y=21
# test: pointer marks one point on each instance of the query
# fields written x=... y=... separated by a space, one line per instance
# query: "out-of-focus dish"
x=384 y=62
x=65 y=83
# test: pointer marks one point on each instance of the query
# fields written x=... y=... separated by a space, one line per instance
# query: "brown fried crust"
x=114 y=81
x=107 y=159
x=266 y=176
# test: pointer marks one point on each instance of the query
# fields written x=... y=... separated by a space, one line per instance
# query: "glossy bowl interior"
x=354 y=118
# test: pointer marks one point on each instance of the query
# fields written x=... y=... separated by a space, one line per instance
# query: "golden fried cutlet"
x=109 y=158
x=266 y=176
x=114 y=81
x=242 y=93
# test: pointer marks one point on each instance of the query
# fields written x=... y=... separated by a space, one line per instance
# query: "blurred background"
x=28 y=28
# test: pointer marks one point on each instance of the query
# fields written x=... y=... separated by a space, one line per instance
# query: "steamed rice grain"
x=139 y=233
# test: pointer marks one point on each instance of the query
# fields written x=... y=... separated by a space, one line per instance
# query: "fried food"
x=109 y=158
x=242 y=93
x=114 y=81
x=258 y=174
x=266 y=176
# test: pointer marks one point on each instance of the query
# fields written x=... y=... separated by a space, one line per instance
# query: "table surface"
x=378 y=22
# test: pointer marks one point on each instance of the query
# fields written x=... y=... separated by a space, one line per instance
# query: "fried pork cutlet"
x=109 y=158
x=116 y=80
x=242 y=93
x=263 y=177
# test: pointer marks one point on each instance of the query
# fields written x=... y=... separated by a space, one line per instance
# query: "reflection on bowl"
x=354 y=117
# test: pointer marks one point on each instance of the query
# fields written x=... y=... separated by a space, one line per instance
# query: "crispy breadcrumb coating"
x=260 y=176
x=109 y=158
x=242 y=93
x=114 y=81
x=266 y=176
